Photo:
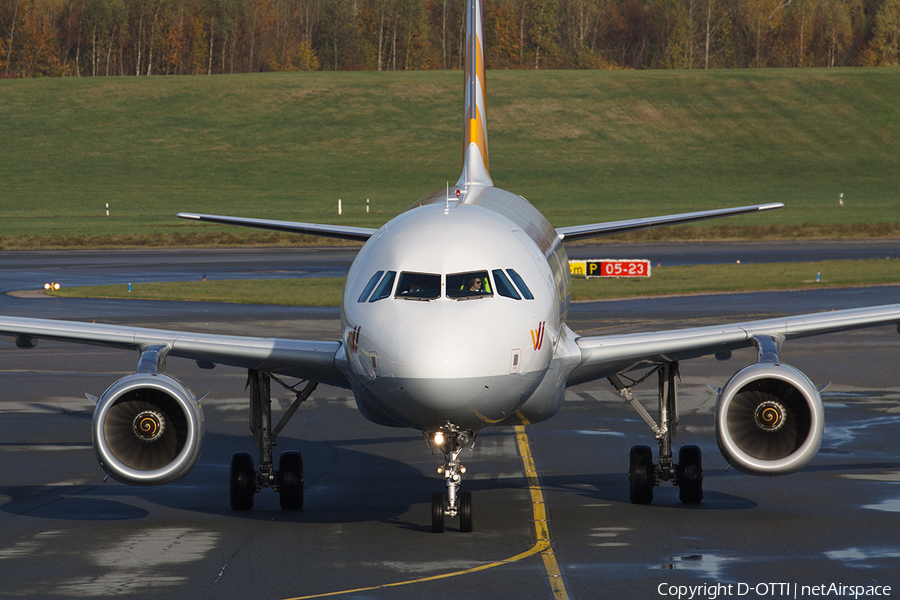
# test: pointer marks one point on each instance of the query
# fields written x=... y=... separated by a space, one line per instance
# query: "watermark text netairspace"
x=712 y=591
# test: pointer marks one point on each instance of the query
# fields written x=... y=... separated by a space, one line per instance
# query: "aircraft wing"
x=305 y=359
x=578 y=232
x=602 y=356
x=356 y=234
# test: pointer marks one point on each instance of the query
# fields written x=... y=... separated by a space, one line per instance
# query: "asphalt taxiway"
x=365 y=529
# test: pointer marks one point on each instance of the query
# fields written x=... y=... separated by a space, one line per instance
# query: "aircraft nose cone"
x=444 y=370
x=438 y=347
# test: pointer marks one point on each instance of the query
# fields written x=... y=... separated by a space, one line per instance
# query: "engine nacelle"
x=769 y=419
x=147 y=429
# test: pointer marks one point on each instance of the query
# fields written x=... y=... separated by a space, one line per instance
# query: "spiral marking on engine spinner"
x=149 y=426
x=770 y=416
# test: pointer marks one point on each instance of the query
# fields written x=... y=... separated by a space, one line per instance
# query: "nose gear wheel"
x=451 y=441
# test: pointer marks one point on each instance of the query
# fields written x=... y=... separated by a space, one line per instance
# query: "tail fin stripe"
x=475 y=130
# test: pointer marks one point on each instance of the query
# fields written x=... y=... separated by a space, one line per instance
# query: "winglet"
x=476 y=168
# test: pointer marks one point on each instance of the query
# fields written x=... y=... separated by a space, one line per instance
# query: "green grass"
x=286 y=292
x=583 y=146
x=664 y=280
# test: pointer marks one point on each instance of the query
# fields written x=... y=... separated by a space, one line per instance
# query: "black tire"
x=243 y=481
x=690 y=464
x=437 y=512
x=465 y=512
x=640 y=475
x=290 y=469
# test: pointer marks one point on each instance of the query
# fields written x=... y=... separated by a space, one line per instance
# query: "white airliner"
x=454 y=319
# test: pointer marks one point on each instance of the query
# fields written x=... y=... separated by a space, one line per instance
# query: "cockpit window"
x=385 y=287
x=504 y=287
x=418 y=286
x=370 y=286
x=463 y=286
x=520 y=283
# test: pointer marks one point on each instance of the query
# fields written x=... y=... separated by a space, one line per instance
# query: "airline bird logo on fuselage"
x=537 y=336
x=353 y=338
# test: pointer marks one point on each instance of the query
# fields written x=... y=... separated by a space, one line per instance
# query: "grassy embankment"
x=582 y=146
x=664 y=280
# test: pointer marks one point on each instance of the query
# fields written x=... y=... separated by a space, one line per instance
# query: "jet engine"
x=147 y=429
x=769 y=419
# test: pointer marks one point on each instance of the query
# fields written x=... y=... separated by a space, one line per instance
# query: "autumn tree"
x=503 y=44
x=149 y=37
x=544 y=18
x=579 y=31
x=717 y=36
x=446 y=19
x=885 y=46
x=32 y=47
x=174 y=39
x=338 y=45
x=671 y=38
x=611 y=36
x=761 y=19
x=9 y=13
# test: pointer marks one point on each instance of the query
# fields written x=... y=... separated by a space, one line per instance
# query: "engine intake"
x=147 y=429
x=769 y=419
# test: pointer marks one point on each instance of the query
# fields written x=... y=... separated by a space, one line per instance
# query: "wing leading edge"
x=575 y=232
x=579 y=232
x=306 y=359
x=602 y=356
x=356 y=234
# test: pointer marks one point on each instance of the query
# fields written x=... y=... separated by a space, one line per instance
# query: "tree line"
x=83 y=38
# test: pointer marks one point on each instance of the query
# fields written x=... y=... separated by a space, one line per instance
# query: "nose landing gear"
x=451 y=441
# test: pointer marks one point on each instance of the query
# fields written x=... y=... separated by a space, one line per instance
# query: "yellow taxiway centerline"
x=541 y=530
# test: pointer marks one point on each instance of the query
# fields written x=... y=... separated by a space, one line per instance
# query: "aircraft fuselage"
x=452 y=311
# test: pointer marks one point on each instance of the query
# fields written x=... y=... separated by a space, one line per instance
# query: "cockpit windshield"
x=457 y=286
x=464 y=286
x=384 y=288
x=504 y=287
x=520 y=283
x=418 y=286
x=370 y=286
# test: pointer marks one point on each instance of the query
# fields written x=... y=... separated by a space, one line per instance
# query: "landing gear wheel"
x=243 y=481
x=437 y=512
x=465 y=512
x=640 y=475
x=691 y=467
x=290 y=467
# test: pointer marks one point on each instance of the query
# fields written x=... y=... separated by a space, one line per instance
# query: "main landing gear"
x=288 y=479
x=451 y=441
x=643 y=475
